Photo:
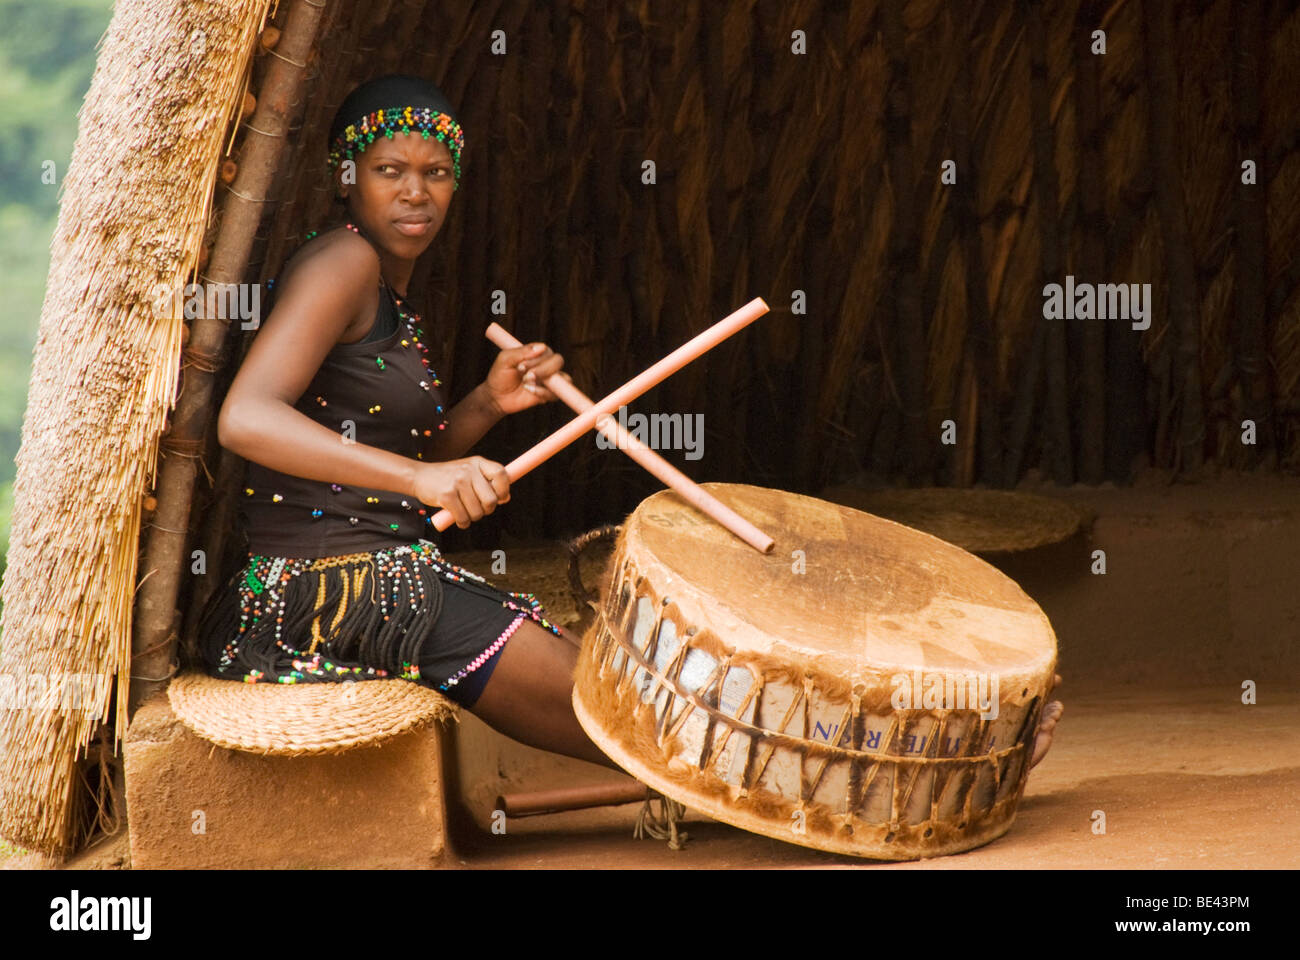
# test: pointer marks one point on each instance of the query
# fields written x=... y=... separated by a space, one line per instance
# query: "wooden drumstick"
x=571 y=431
x=670 y=476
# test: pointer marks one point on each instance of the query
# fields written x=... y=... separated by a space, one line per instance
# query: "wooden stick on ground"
x=570 y=798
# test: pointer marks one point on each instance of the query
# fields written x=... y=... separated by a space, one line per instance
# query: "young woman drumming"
x=351 y=449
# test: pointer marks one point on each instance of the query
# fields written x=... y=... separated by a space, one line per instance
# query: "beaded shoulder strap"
x=349 y=224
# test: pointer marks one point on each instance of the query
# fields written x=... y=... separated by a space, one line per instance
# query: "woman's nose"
x=413 y=188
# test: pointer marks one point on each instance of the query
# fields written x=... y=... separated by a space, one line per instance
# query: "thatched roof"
x=135 y=206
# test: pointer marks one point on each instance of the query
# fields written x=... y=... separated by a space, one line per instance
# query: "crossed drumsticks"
x=598 y=415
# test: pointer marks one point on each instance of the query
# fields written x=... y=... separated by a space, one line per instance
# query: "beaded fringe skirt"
x=403 y=612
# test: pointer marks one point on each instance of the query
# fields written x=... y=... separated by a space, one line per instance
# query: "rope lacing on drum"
x=661 y=826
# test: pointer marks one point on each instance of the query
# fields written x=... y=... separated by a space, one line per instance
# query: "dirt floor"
x=1196 y=601
x=1172 y=796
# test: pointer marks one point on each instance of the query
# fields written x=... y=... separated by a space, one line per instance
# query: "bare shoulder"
x=339 y=256
x=329 y=286
x=323 y=296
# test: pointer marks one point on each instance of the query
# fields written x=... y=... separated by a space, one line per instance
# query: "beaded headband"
x=428 y=121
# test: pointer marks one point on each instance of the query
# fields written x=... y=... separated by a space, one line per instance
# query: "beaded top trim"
x=427 y=121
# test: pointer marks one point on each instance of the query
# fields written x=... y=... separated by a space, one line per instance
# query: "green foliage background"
x=47 y=57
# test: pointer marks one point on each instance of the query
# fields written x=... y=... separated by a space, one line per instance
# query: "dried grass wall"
x=821 y=172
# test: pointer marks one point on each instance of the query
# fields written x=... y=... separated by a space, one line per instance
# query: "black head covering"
x=395 y=90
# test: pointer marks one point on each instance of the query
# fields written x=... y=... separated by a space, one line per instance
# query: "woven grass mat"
x=302 y=718
x=981 y=521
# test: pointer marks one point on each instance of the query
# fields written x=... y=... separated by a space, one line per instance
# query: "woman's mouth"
x=413 y=226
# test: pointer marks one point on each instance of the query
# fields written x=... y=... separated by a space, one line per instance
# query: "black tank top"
x=382 y=392
x=386 y=321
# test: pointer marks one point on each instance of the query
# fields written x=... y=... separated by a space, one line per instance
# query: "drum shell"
x=761 y=737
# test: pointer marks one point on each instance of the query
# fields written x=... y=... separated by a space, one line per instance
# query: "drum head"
x=844 y=590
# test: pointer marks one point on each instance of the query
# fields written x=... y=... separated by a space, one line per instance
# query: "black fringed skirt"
x=404 y=613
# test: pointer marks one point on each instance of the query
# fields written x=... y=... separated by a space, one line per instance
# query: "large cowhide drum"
x=865 y=688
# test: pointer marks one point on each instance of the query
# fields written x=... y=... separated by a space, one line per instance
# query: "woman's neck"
x=395 y=271
x=397 y=274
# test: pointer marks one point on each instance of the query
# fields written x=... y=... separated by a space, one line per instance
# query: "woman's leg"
x=528 y=696
x=572 y=637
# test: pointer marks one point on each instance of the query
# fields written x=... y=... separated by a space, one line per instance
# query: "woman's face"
x=403 y=189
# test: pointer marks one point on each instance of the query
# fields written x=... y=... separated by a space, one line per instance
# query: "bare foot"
x=1047 y=725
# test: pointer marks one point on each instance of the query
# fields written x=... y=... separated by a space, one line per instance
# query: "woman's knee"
x=535 y=670
x=529 y=696
x=543 y=655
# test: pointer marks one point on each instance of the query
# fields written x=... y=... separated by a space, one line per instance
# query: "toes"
x=1042 y=743
x=1047 y=724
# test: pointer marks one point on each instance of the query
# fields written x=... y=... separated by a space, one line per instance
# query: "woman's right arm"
x=316 y=305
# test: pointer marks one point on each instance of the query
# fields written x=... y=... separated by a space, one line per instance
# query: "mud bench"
x=221 y=774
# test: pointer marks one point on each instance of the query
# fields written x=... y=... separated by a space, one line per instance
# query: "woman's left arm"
x=513 y=384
